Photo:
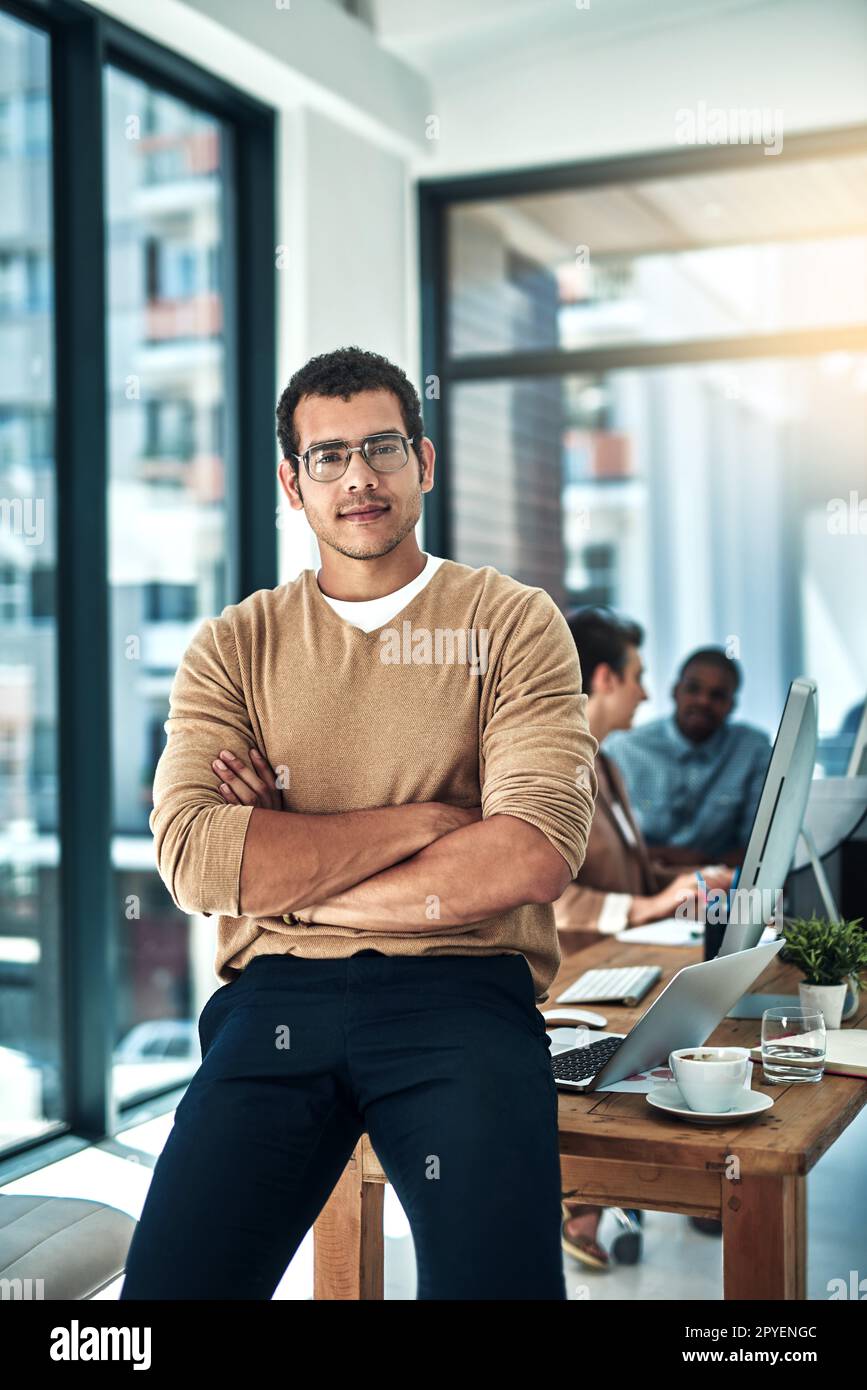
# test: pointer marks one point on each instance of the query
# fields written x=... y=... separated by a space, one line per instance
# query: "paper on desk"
x=674 y=931
x=564 y=1039
x=648 y=1081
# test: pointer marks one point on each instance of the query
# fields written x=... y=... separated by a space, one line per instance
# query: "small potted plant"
x=831 y=956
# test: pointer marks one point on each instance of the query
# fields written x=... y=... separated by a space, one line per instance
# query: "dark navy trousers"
x=443 y=1060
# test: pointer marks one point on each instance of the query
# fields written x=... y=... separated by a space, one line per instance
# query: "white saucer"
x=669 y=1098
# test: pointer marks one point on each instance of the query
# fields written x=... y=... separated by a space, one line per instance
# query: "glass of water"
x=793 y=1045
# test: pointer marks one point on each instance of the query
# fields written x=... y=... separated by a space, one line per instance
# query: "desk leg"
x=348 y=1242
x=765 y=1238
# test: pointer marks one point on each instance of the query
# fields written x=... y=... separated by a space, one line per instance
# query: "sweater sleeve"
x=537 y=748
x=199 y=838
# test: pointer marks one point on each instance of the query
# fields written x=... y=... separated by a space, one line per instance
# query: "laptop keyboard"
x=583 y=1062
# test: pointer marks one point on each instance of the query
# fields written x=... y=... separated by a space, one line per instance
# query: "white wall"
x=349 y=276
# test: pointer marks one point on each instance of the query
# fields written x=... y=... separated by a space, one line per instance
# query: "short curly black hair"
x=344 y=372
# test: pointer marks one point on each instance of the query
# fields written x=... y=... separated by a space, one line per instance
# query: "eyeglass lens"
x=384 y=452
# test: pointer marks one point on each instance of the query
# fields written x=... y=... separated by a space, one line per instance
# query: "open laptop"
x=687 y=1011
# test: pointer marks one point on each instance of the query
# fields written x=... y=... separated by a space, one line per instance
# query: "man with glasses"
x=380 y=826
x=696 y=776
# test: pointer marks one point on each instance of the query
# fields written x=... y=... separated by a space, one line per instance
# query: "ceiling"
x=775 y=201
x=468 y=33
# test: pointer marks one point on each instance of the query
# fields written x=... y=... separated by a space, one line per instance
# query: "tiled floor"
x=678 y=1262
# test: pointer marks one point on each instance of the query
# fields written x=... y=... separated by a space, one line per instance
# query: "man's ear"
x=602 y=680
x=427 y=459
x=289 y=483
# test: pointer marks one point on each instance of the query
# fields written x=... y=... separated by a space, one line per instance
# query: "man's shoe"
x=707 y=1224
x=582 y=1248
x=626 y=1245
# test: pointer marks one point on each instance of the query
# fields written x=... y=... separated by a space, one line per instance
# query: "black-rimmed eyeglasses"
x=385 y=453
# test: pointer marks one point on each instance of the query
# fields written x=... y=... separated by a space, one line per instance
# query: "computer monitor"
x=777 y=824
x=778 y=819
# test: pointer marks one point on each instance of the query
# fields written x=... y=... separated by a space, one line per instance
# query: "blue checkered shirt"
x=693 y=794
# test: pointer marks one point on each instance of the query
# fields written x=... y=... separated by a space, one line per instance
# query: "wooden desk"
x=615 y=1151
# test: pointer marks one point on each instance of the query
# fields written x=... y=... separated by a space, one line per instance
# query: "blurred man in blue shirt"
x=695 y=778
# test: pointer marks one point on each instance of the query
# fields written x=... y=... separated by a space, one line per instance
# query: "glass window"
x=779 y=248
x=30 y=1024
x=715 y=501
x=630 y=489
x=168 y=528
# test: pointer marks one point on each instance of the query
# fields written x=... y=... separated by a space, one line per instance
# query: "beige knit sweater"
x=384 y=718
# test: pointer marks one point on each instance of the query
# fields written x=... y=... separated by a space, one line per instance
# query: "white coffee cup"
x=713 y=1084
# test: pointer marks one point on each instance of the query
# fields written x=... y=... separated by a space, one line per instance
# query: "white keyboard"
x=627 y=985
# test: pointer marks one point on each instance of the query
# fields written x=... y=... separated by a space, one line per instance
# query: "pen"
x=695 y=934
x=735 y=877
x=702 y=885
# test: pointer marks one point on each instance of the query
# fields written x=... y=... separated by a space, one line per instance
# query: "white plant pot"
x=853 y=985
x=825 y=999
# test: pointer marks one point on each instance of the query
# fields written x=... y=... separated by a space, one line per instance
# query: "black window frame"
x=83 y=42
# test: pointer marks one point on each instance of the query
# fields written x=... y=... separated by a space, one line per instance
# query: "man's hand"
x=257 y=786
x=682 y=893
x=241 y=785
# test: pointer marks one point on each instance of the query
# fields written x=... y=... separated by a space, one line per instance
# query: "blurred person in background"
x=619 y=884
x=695 y=776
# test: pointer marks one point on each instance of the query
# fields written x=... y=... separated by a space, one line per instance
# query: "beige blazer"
x=611 y=864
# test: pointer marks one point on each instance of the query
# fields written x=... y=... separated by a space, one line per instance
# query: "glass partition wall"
x=651 y=392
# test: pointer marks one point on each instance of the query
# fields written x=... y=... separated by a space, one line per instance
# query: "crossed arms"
x=398 y=868
x=422 y=866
